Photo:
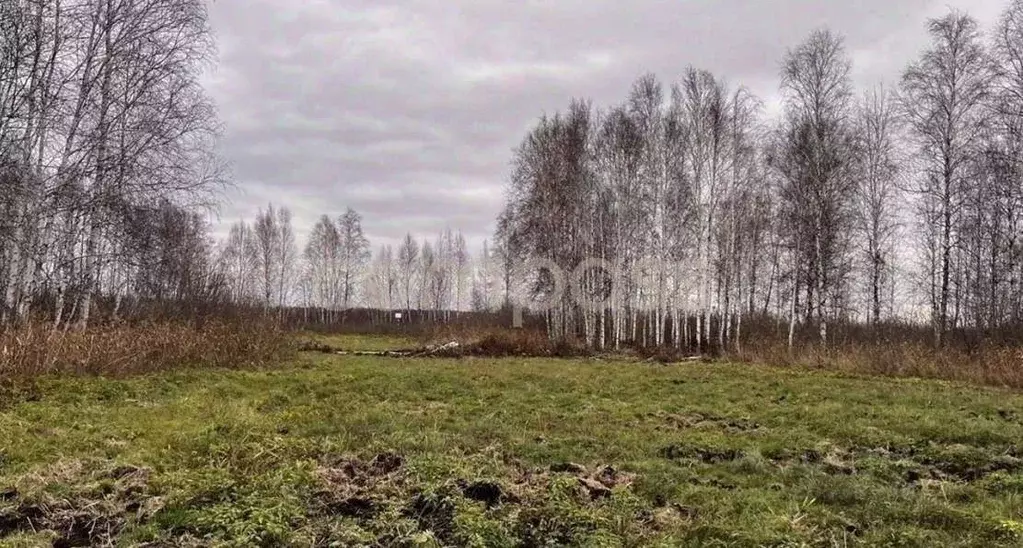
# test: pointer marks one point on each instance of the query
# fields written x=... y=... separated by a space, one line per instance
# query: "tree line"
x=108 y=169
x=337 y=270
x=720 y=214
x=105 y=155
x=717 y=213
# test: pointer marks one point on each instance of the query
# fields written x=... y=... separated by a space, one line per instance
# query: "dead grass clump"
x=525 y=343
x=591 y=483
x=987 y=365
x=122 y=350
x=501 y=343
x=359 y=489
x=79 y=505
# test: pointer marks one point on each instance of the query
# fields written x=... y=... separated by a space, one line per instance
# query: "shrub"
x=121 y=350
x=502 y=342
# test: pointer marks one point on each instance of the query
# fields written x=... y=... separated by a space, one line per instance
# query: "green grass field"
x=344 y=451
x=364 y=343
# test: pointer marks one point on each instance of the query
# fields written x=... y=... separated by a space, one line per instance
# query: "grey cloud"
x=408 y=110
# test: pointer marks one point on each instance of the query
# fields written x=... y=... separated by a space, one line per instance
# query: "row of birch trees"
x=422 y=275
x=336 y=269
x=684 y=210
x=106 y=140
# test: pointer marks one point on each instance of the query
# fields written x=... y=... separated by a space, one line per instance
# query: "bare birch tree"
x=816 y=162
x=943 y=96
x=877 y=194
x=408 y=259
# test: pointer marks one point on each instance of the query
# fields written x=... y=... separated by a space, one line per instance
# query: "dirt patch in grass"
x=918 y=465
x=433 y=512
x=359 y=489
x=956 y=462
x=79 y=507
x=591 y=482
x=706 y=455
x=369 y=491
x=489 y=493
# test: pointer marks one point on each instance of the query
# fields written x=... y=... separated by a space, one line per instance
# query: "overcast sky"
x=408 y=110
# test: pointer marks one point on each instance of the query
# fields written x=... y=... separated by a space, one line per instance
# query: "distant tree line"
x=721 y=214
x=107 y=170
x=337 y=270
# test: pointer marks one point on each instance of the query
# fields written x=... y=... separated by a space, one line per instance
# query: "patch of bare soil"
x=488 y=492
x=593 y=482
x=949 y=463
x=359 y=489
x=706 y=455
x=92 y=515
x=924 y=463
x=433 y=512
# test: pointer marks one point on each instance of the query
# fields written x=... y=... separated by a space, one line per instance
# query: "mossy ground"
x=335 y=450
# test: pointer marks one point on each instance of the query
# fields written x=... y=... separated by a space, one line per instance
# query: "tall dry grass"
x=903 y=352
x=503 y=342
x=122 y=350
x=992 y=365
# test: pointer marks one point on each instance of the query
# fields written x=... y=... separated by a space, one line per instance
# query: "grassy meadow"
x=328 y=450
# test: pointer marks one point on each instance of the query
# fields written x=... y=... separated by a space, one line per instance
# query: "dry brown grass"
x=123 y=350
x=992 y=365
x=502 y=342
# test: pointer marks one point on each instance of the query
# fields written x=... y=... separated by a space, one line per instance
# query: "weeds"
x=122 y=350
x=502 y=343
x=992 y=366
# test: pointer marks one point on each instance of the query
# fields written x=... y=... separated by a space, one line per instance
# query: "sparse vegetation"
x=510 y=452
x=997 y=364
x=120 y=350
x=993 y=365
